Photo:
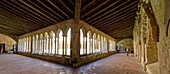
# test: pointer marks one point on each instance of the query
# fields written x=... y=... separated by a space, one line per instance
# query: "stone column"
x=75 y=42
x=43 y=45
x=48 y=44
x=86 y=46
x=66 y=47
x=51 y=44
x=55 y=43
x=63 y=45
x=31 y=45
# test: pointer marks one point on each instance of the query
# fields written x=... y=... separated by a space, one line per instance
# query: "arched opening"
x=29 y=44
x=68 y=40
x=6 y=43
x=98 y=45
x=46 y=43
x=41 y=43
x=89 y=44
x=81 y=42
x=33 y=44
x=60 y=50
x=102 y=44
x=94 y=43
x=37 y=44
x=52 y=43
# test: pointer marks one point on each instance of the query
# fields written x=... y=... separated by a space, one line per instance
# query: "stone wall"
x=9 y=42
x=156 y=45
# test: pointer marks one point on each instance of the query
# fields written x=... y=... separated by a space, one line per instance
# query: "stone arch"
x=90 y=32
x=127 y=43
x=155 y=28
x=8 y=41
x=83 y=30
x=58 y=31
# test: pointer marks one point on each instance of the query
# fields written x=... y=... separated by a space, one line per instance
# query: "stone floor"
x=115 y=64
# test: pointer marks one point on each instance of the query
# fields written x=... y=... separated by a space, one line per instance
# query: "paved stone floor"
x=115 y=64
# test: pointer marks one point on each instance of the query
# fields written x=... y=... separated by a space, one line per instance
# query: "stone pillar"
x=66 y=47
x=55 y=43
x=86 y=46
x=75 y=41
x=63 y=45
x=31 y=45
x=48 y=38
x=43 y=45
x=51 y=44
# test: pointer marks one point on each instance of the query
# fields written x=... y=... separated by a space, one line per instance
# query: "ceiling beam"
x=107 y=8
x=77 y=11
x=116 y=13
x=121 y=27
x=115 y=20
x=11 y=28
x=50 y=9
x=94 y=9
x=58 y=8
x=71 y=2
x=118 y=24
x=51 y=19
x=7 y=31
x=44 y=10
x=40 y=17
x=12 y=24
x=106 y=16
x=7 y=8
x=70 y=11
x=18 y=19
x=13 y=21
x=85 y=7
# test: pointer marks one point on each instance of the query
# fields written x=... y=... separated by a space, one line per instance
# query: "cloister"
x=84 y=37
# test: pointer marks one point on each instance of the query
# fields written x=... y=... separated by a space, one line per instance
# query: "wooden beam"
x=107 y=8
x=45 y=10
x=9 y=32
x=94 y=9
x=114 y=9
x=58 y=8
x=120 y=27
x=18 y=13
x=77 y=11
x=117 y=25
x=17 y=18
x=30 y=10
x=85 y=7
x=71 y=2
x=11 y=28
x=19 y=24
x=51 y=19
x=61 y=1
x=12 y=24
x=118 y=19
x=116 y=13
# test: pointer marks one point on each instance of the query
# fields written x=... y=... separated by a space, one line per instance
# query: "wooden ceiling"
x=114 y=17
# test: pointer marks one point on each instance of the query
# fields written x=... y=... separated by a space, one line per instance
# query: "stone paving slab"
x=115 y=64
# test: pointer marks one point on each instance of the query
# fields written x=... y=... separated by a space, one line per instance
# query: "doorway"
x=2 y=47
